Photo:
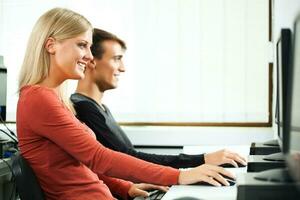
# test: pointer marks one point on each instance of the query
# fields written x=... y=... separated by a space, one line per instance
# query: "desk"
x=209 y=192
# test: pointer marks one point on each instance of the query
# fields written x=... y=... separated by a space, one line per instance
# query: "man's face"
x=109 y=67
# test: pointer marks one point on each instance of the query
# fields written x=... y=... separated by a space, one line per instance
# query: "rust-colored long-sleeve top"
x=65 y=155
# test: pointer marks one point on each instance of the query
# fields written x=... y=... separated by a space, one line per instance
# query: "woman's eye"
x=82 y=45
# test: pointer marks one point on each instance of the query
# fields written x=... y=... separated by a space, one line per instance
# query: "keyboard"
x=156 y=195
x=153 y=195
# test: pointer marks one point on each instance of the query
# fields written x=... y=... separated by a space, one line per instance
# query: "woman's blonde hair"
x=59 y=23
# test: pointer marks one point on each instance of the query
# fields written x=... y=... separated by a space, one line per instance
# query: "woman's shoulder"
x=36 y=89
x=37 y=93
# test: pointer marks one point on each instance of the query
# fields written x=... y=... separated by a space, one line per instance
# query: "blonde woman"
x=62 y=151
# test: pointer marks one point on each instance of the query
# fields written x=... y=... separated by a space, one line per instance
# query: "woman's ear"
x=50 y=45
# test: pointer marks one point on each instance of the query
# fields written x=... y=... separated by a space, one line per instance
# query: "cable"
x=14 y=139
x=11 y=137
x=3 y=122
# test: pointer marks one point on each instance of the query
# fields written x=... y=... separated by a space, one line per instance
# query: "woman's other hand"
x=142 y=188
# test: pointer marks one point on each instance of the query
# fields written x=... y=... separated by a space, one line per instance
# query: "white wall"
x=284 y=13
x=283 y=16
x=197 y=66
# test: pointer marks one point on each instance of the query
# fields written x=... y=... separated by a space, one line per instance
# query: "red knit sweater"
x=66 y=157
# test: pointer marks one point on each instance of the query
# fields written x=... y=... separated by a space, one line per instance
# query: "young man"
x=102 y=74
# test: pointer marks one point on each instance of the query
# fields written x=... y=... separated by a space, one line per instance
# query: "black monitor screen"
x=3 y=92
x=283 y=48
x=294 y=108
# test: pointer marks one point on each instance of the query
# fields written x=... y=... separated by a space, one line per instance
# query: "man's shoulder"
x=76 y=97
x=80 y=99
x=84 y=104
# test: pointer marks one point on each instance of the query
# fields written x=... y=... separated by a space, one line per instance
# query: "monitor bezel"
x=284 y=44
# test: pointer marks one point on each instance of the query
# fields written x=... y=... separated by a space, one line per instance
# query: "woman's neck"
x=50 y=84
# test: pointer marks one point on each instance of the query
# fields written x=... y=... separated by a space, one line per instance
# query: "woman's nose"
x=89 y=56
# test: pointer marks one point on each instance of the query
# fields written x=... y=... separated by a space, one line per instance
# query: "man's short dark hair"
x=99 y=36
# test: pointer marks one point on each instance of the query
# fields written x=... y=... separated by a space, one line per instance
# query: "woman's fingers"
x=141 y=189
x=211 y=181
x=147 y=186
x=231 y=161
x=208 y=173
x=217 y=178
x=222 y=171
x=140 y=192
x=237 y=158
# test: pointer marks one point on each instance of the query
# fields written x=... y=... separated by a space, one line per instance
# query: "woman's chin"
x=78 y=76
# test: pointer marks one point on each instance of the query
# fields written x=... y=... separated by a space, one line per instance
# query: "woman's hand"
x=141 y=189
x=207 y=173
x=224 y=156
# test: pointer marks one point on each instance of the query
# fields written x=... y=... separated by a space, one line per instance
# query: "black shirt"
x=110 y=134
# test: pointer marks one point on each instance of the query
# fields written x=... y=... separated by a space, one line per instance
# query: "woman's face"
x=71 y=56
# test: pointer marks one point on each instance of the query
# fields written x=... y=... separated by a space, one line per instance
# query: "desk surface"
x=201 y=192
x=208 y=192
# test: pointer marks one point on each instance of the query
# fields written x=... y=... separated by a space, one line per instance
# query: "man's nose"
x=122 y=67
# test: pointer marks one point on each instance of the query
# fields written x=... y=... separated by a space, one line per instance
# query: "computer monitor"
x=3 y=92
x=283 y=67
x=283 y=52
x=293 y=155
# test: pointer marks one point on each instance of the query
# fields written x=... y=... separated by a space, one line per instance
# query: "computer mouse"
x=228 y=165
x=231 y=182
x=228 y=178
